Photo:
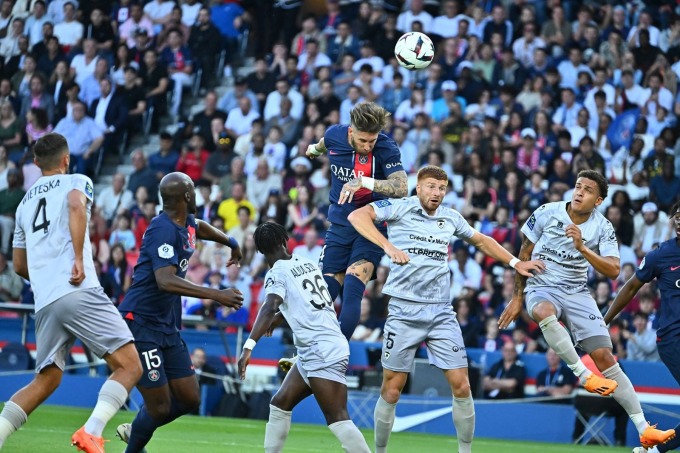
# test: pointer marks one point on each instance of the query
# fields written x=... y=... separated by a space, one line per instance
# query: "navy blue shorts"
x=164 y=356
x=344 y=246
x=669 y=351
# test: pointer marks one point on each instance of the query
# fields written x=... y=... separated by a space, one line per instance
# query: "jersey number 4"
x=41 y=216
x=320 y=296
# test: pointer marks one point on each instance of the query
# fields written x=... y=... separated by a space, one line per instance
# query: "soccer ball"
x=414 y=50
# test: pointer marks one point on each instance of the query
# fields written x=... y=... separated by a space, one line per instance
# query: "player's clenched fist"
x=574 y=232
x=397 y=256
x=230 y=298
x=312 y=152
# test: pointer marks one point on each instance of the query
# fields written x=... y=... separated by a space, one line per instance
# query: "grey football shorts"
x=578 y=312
x=87 y=315
x=411 y=323
x=334 y=371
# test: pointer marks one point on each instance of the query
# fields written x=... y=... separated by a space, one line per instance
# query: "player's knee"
x=337 y=415
x=543 y=311
x=603 y=358
x=48 y=382
x=135 y=369
x=461 y=388
x=160 y=410
x=279 y=400
x=192 y=403
x=390 y=394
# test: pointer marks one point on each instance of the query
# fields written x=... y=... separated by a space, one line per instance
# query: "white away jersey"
x=566 y=268
x=426 y=277
x=42 y=228
x=308 y=308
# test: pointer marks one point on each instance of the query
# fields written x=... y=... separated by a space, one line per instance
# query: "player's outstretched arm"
x=77 y=225
x=395 y=186
x=316 y=149
x=514 y=307
x=168 y=281
x=623 y=298
x=363 y=220
x=489 y=246
x=265 y=317
x=207 y=232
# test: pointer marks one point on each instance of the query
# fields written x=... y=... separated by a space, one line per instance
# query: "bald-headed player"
x=571 y=236
x=152 y=309
x=52 y=250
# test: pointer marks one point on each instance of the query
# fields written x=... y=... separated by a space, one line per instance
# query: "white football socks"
x=464 y=421
x=349 y=436
x=558 y=338
x=12 y=418
x=383 y=420
x=276 y=432
x=112 y=396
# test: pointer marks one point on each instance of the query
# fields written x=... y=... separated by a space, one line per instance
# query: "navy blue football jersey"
x=347 y=164
x=664 y=265
x=164 y=244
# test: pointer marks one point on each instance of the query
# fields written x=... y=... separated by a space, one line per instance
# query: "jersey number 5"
x=320 y=295
x=41 y=215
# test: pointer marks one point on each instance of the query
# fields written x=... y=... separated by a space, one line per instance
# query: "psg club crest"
x=441 y=223
x=363 y=159
x=192 y=237
x=154 y=375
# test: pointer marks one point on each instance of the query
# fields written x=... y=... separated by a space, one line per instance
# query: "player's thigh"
x=365 y=251
x=404 y=331
x=158 y=400
x=669 y=351
x=52 y=339
x=585 y=322
x=294 y=389
x=337 y=249
x=536 y=299
x=186 y=391
x=95 y=321
x=445 y=345
x=393 y=384
x=332 y=398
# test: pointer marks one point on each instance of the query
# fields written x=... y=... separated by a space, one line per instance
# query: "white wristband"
x=249 y=344
x=513 y=262
x=367 y=183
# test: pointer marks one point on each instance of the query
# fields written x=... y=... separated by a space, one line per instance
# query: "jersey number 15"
x=321 y=298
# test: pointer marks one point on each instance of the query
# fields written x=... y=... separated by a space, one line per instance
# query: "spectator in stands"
x=134 y=98
x=11 y=285
x=641 y=344
x=178 y=61
x=240 y=119
x=245 y=226
x=100 y=30
x=9 y=45
x=136 y=21
x=261 y=183
x=652 y=232
x=199 y=362
x=122 y=234
x=301 y=212
x=69 y=31
x=205 y=44
x=90 y=89
x=505 y=378
x=310 y=247
x=228 y=209
x=288 y=125
x=114 y=199
x=21 y=80
x=159 y=11
x=155 y=80
x=466 y=273
x=208 y=207
x=664 y=189
x=10 y=198
x=219 y=162
x=143 y=176
x=35 y=21
x=165 y=160
x=84 y=138
x=110 y=114
x=236 y=173
x=10 y=132
x=556 y=380
x=47 y=62
x=230 y=18
x=193 y=158
x=283 y=90
x=174 y=23
x=118 y=271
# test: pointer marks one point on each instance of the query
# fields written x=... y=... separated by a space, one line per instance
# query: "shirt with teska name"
x=566 y=268
x=426 y=277
x=164 y=244
x=664 y=265
x=347 y=164
x=308 y=308
x=42 y=229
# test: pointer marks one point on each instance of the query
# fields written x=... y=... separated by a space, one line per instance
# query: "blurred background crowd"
x=521 y=96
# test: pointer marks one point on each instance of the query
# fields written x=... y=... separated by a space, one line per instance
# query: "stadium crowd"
x=520 y=97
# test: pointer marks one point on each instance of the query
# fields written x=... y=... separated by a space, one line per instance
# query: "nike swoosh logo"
x=673 y=269
x=332 y=153
x=410 y=421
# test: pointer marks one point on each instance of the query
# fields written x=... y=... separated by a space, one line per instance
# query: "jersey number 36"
x=321 y=298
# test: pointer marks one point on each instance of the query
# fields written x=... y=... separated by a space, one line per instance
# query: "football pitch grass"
x=49 y=429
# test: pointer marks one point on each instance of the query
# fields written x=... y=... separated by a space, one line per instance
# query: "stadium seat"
x=14 y=357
